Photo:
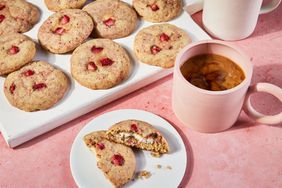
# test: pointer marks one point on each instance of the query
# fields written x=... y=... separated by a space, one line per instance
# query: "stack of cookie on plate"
x=113 y=148
x=98 y=63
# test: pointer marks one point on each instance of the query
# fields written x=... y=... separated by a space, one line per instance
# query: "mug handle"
x=250 y=111
x=194 y=6
x=270 y=6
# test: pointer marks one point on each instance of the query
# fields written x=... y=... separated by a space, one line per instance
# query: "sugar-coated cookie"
x=16 y=50
x=100 y=64
x=117 y=161
x=159 y=44
x=158 y=10
x=36 y=86
x=113 y=18
x=57 y=5
x=17 y=16
x=138 y=134
x=65 y=30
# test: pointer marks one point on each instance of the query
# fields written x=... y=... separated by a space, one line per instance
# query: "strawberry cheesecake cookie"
x=57 y=5
x=116 y=161
x=113 y=18
x=159 y=44
x=158 y=10
x=17 y=16
x=36 y=86
x=65 y=30
x=16 y=50
x=100 y=64
x=138 y=134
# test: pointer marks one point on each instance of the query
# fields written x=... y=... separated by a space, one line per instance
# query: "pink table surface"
x=247 y=155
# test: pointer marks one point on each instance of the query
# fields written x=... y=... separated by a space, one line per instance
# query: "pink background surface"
x=247 y=155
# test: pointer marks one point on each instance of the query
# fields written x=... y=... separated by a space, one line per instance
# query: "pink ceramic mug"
x=214 y=111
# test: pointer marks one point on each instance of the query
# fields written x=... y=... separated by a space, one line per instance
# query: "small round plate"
x=173 y=165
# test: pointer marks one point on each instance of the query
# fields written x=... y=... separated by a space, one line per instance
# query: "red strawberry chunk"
x=39 y=86
x=12 y=88
x=91 y=66
x=133 y=127
x=2 y=17
x=164 y=37
x=14 y=50
x=106 y=62
x=59 y=30
x=28 y=73
x=154 y=7
x=100 y=146
x=65 y=19
x=2 y=7
x=117 y=160
x=155 y=49
x=109 y=22
x=96 y=50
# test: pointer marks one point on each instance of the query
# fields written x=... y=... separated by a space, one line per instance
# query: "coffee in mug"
x=206 y=110
x=212 y=72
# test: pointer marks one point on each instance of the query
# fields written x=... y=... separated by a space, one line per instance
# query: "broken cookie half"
x=117 y=161
x=138 y=134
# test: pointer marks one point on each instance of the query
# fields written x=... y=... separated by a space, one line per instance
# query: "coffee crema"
x=212 y=72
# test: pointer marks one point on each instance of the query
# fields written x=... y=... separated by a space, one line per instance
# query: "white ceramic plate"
x=83 y=161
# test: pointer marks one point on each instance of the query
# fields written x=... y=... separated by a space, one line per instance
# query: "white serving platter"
x=18 y=126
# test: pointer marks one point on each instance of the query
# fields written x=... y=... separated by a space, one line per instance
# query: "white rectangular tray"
x=18 y=126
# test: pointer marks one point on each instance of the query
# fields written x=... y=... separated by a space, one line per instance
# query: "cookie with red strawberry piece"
x=100 y=64
x=63 y=31
x=158 y=10
x=116 y=161
x=57 y=5
x=159 y=44
x=16 y=50
x=113 y=18
x=138 y=134
x=17 y=16
x=36 y=86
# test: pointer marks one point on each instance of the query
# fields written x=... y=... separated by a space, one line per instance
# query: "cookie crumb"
x=143 y=174
x=168 y=167
x=156 y=154
x=159 y=166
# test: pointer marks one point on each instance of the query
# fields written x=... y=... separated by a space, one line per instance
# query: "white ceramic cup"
x=214 y=111
x=231 y=19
